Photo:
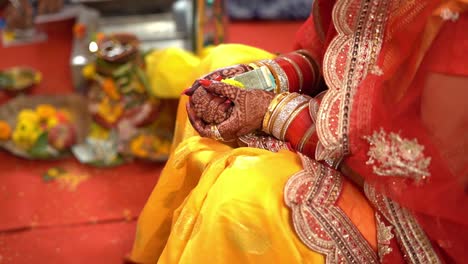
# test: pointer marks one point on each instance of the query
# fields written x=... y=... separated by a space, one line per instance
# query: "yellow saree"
x=218 y=204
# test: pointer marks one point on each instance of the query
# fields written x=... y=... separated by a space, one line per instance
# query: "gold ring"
x=216 y=134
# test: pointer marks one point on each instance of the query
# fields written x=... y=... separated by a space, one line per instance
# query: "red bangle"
x=307 y=61
x=307 y=69
x=298 y=127
x=302 y=71
x=290 y=73
x=297 y=70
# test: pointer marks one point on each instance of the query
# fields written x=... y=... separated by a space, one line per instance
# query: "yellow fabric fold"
x=230 y=208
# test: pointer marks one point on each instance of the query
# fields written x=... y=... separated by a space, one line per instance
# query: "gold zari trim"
x=271 y=107
x=321 y=225
x=416 y=245
x=347 y=61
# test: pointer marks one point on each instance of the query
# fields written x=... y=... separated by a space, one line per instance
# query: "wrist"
x=294 y=72
x=283 y=109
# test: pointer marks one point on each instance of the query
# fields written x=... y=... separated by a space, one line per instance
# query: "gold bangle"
x=293 y=116
x=275 y=75
x=253 y=65
x=278 y=110
x=283 y=112
x=271 y=108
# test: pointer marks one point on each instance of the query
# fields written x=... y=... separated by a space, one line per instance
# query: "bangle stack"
x=295 y=72
x=281 y=78
x=282 y=111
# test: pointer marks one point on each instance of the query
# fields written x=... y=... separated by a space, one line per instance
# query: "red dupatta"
x=384 y=64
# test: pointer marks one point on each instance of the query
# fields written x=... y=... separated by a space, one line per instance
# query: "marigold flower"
x=137 y=147
x=51 y=122
x=110 y=112
x=53 y=172
x=28 y=114
x=45 y=111
x=5 y=130
x=89 y=71
x=108 y=85
x=79 y=30
x=26 y=133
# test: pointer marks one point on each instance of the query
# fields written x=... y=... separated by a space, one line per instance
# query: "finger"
x=228 y=128
x=211 y=114
x=197 y=123
x=222 y=89
x=200 y=101
x=226 y=109
x=191 y=90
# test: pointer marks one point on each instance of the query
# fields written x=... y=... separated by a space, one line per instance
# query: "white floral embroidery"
x=376 y=70
x=392 y=155
x=447 y=14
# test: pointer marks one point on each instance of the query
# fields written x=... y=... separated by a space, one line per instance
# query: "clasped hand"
x=233 y=111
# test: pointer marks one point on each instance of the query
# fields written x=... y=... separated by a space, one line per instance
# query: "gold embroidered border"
x=320 y=224
x=351 y=54
x=411 y=237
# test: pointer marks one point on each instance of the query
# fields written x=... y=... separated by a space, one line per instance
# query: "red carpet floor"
x=90 y=216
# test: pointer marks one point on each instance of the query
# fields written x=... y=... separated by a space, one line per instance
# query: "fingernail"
x=205 y=82
x=185 y=91
x=189 y=91
x=219 y=78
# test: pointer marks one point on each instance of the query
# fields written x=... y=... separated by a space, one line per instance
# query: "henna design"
x=210 y=108
x=247 y=113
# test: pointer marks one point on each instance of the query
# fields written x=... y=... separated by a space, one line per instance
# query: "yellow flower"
x=9 y=35
x=53 y=172
x=5 y=130
x=110 y=112
x=26 y=133
x=51 y=122
x=45 y=111
x=28 y=114
x=137 y=147
x=89 y=71
x=37 y=77
x=98 y=132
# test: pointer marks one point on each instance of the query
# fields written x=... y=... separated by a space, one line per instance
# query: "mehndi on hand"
x=247 y=110
x=212 y=109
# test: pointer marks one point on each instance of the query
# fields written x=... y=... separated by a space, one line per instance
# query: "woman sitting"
x=355 y=149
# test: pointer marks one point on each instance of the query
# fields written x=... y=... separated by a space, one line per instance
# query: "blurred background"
x=104 y=77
